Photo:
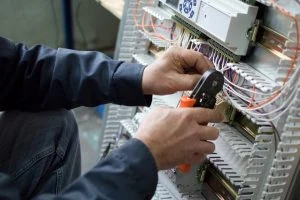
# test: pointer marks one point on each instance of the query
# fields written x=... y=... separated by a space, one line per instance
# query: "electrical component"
x=227 y=22
x=248 y=128
x=219 y=184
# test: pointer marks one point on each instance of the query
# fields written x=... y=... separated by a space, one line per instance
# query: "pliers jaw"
x=207 y=88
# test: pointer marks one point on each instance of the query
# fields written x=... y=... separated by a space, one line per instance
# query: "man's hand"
x=168 y=74
x=176 y=136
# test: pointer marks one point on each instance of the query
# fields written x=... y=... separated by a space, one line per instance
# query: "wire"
x=247 y=99
x=252 y=98
x=152 y=25
x=233 y=83
x=154 y=33
x=277 y=93
x=244 y=89
x=283 y=108
x=284 y=89
x=294 y=18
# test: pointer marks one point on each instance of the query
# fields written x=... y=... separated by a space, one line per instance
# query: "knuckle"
x=195 y=133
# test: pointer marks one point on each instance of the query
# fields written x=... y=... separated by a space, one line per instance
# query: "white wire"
x=247 y=99
x=278 y=115
x=287 y=101
x=272 y=100
x=245 y=89
x=222 y=64
x=257 y=100
x=278 y=90
x=211 y=55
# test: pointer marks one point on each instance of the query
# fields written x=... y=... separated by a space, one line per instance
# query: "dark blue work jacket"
x=40 y=78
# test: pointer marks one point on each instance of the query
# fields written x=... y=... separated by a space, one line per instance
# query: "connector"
x=225 y=52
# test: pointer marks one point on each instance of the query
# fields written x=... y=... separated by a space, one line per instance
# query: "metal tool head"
x=209 y=85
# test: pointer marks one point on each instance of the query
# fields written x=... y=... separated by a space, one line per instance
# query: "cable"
x=152 y=33
x=244 y=89
x=277 y=93
x=143 y=25
x=252 y=98
x=293 y=81
x=285 y=106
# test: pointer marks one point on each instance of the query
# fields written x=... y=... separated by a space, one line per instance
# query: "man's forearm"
x=43 y=78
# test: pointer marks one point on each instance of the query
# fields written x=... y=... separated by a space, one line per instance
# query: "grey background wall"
x=39 y=21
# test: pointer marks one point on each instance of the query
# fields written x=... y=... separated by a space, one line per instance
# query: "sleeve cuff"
x=127 y=81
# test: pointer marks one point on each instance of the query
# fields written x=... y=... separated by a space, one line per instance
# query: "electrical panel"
x=229 y=22
x=256 y=45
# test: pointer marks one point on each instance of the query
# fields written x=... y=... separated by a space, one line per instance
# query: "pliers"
x=203 y=95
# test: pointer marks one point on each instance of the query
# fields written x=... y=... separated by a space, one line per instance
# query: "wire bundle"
x=266 y=106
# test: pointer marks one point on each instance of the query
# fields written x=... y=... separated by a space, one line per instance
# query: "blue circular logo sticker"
x=187 y=6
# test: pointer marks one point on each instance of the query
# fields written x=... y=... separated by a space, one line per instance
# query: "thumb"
x=187 y=81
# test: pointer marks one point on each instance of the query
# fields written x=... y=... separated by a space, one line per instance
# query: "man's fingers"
x=195 y=159
x=187 y=81
x=201 y=147
x=209 y=63
x=190 y=59
x=208 y=133
x=205 y=115
x=206 y=147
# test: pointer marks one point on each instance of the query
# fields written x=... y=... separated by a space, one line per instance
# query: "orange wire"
x=155 y=34
x=252 y=98
x=294 y=18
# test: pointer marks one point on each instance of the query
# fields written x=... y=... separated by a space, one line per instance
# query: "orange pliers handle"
x=185 y=102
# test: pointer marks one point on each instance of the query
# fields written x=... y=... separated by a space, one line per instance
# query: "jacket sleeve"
x=127 y=173
x=43 y=78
